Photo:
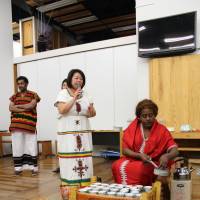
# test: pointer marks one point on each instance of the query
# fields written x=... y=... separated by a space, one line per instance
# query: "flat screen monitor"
x=167 y=36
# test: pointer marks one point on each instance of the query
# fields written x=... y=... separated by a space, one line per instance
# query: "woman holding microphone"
x=74 y=135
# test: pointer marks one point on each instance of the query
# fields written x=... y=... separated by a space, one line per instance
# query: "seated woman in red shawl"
x=144 y=139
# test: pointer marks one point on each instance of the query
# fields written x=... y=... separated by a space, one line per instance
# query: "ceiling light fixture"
x=55 y=5
x=124 y=28
x=80 y=21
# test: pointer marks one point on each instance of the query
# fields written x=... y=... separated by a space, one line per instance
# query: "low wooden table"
x=46 y=148
x=3 y=133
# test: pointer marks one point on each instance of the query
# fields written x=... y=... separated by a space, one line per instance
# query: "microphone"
x=78 y=86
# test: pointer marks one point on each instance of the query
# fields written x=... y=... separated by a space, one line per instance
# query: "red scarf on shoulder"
x=158 y=143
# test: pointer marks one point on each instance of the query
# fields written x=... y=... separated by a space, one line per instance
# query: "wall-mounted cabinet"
x=28 y=35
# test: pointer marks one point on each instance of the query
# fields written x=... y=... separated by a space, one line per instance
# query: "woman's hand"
x=164 y=161
x=144 y=157
x=91 y=111
x=78 y=93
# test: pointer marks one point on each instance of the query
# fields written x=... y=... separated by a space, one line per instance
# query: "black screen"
x=167 y=36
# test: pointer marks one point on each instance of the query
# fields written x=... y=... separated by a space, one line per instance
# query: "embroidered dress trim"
x=123 y=172
x=75 y=154
x=144 y=140
x=25 y=160
x=87 y=180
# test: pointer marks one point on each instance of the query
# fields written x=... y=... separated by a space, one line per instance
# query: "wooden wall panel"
x=15 y=77
x=175 y=87
x=27 y=28
x=194 y=92
x=27 y=51
x=27 y=35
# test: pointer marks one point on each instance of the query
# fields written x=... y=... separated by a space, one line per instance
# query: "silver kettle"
x=182 y=172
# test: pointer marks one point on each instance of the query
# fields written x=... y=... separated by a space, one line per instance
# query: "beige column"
x=6 y=61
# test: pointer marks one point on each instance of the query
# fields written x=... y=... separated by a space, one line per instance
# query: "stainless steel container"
x=181 y=186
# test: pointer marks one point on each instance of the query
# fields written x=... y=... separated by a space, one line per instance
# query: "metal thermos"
x=181 y=185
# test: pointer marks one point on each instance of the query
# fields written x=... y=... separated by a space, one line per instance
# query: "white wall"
x=99 y=71
x=113 y=79
x=127 y=75
x=17 y=50
x=6 y=61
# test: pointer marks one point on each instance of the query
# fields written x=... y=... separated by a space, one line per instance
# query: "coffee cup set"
x=119 y=190
x=185 y=128
x=158 y=171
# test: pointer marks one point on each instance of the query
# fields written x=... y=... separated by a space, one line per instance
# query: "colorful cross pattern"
x=80 y=169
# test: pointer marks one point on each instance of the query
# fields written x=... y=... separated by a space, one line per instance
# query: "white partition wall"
x=112 y=80
x=30 y=70
x=48 y=79
x=126 y=83
x=100 y=84
x=70 y=62
x=6 y=58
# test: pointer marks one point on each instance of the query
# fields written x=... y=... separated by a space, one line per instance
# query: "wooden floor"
x=45 y=186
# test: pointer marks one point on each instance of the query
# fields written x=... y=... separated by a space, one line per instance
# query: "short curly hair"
x=22 y=78
x=146 y=103
x=71 y=74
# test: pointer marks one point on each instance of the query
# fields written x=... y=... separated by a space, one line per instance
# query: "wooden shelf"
x=186 y=135
x=106 y=131
x=196 y=161
x=188 y=149
x=187 y=142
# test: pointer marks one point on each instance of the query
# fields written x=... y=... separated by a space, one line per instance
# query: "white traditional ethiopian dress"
x=74 y=142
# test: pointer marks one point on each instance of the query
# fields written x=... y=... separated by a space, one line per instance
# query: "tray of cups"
x=117 y=190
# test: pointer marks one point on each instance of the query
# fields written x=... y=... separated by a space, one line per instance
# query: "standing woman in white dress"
x=74 y=135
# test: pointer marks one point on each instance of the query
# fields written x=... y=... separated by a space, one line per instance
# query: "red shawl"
x=158 y=143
